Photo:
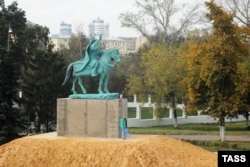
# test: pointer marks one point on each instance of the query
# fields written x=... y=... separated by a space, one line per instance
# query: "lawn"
x=215 y=146
x=232 y=128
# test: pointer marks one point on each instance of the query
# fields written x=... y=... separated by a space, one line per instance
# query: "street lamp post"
x=9 y=33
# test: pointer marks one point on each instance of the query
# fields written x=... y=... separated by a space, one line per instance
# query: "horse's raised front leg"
x=81 y=85
x=100 y=84
x=105 y=84
x=73 y=89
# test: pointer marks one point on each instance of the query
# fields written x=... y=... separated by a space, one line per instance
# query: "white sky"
x=51 y=13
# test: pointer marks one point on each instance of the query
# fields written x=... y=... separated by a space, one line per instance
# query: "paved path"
x=210 y=137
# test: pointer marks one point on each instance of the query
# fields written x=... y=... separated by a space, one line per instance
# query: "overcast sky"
x=51 y=13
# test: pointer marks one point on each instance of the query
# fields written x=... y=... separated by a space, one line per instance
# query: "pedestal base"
x=90 y=117
x=95 y=96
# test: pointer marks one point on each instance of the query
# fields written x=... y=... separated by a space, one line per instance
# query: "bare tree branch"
x=160 y=18
x=241 y=9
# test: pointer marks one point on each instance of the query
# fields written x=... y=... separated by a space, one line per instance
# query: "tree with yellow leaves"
x=163 y=71
x=216 y=74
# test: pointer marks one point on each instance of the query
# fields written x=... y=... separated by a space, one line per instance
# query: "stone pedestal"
x=90 y=117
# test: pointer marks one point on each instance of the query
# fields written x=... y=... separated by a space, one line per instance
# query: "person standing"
x=123 y=125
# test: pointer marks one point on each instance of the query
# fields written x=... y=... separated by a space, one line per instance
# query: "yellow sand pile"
x=146 y=151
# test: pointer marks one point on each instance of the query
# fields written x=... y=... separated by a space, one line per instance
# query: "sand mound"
x=150 y=151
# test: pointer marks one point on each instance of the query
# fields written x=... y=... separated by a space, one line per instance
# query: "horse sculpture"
x=107 y=61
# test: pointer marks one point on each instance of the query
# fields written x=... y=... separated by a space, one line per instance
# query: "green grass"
x=221 y=146
x=147 y=112
x=232 y=128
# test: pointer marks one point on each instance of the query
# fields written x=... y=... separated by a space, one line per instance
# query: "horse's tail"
x=68 y=74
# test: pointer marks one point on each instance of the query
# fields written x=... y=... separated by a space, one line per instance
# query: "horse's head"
x=110 y=56
x=115 y=55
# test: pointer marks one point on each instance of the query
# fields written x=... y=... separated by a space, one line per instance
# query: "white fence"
x=184 y=119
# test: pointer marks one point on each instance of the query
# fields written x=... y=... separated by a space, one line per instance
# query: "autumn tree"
x=161 y=21
x=241 y=10
x=216 y=72
x=163 y=73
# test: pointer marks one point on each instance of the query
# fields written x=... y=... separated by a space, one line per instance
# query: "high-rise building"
x=98 y=27
x=61 y=40
x=65 y=29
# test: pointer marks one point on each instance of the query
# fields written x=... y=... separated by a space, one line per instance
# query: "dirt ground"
x=48 y=150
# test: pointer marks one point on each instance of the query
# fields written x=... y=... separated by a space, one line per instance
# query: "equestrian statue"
x=94 y=63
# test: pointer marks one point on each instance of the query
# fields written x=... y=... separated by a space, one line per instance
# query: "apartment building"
x=61 y=40
x=98 y=27
x=126 y=45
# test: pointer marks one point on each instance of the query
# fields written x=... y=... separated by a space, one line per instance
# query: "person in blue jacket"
x=123 y=125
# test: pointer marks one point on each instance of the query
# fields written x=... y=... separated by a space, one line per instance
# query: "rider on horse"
x=90 y=59
x=93 y=50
